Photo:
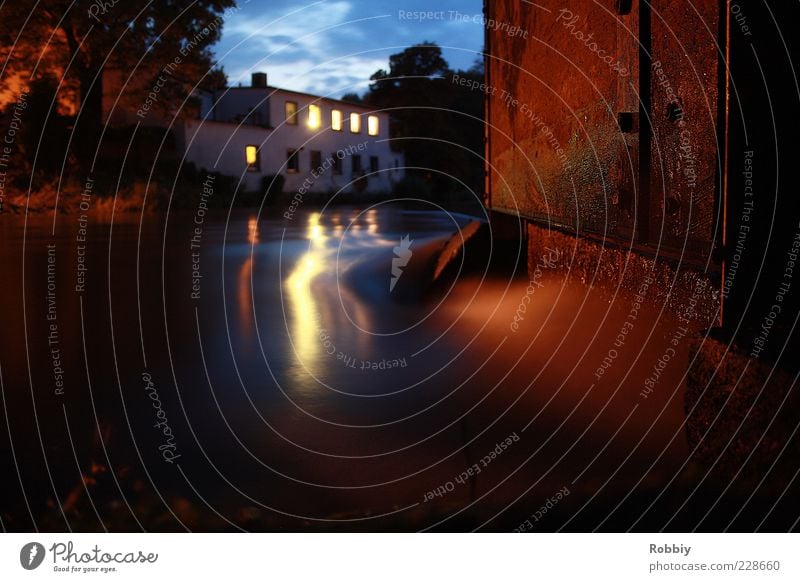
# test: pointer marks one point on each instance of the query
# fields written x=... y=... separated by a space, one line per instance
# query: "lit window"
x=292 y=161
x=251 y=157
x=336 y=120
x=291 y=113
x=314 y=116
x=355 y=123
x=373 y=125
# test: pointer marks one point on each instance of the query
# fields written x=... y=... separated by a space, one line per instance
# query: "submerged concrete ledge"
x=741 y=414
x=614 y=271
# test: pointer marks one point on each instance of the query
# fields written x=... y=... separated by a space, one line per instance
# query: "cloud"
x=334 y=46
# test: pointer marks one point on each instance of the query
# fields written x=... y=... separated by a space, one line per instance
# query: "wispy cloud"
x=334 y=46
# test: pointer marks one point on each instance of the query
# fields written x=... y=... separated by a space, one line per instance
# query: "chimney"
x=259 y=80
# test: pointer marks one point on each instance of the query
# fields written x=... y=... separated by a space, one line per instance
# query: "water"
x=271 y=378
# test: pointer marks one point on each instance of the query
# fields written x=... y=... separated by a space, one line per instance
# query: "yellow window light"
x=251 y=156
x=373 y=125
x=314 y=116
x=355 y=123
x=291 y=113
x=336 y=120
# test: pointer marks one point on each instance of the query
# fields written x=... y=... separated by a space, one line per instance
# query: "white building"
x=317 y=144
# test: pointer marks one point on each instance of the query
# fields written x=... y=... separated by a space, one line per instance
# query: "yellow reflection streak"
x=244 y=295
x=245 y=299
x=303 y=305
x=252 y=231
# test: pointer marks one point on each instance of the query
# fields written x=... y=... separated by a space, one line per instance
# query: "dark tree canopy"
x=352 y=98
x=438 y=122
x=81 y=42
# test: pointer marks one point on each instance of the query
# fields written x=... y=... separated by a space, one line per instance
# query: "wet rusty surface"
x=565 y=135
x=663 y=186
x=741 y=413
x=685 y=117
x=554 y=133
x=618 y=271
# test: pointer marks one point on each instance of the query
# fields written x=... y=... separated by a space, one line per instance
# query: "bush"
x=413 y=186
x=272 y=188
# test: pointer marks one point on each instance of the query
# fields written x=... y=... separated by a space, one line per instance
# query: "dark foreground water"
x=218 y=372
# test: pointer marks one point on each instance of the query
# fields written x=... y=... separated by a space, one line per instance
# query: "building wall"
x=329 y=142
x=570 y=142
x=219 y=147
x=250 y=105
x=205 y=141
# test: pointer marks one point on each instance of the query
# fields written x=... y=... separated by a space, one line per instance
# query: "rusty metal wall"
x=570 y=141
x=687 y=47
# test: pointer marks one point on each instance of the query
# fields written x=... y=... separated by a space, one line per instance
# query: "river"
x=223 y=371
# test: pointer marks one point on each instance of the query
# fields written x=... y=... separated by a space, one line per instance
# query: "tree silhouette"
x=438 y=122
x=83 y=41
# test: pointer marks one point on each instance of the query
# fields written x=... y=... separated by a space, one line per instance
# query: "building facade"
x=317 y=144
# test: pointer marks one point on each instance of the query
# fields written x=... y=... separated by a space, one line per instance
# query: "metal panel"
x=573 y=140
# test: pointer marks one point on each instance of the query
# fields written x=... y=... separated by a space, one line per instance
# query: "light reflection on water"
x=320 y=300
x=290 y=402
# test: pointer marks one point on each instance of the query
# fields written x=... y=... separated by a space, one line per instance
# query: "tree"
x=352 y=98
x=43 y=125
x=438 y=122
x=87 y=40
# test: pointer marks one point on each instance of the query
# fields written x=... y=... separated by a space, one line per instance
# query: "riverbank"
x=77 y=199
x=136 y=198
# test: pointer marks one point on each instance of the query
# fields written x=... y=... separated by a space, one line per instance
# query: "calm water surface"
x=245 y=371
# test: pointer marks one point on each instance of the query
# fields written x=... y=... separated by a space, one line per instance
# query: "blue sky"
x=331 y=47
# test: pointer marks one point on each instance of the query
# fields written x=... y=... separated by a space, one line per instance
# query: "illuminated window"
x=251 y=157
x=291 y=113
x=373 y=125
x=336 y=120
x=292 y=161
x=314 y=116
x=355 y=123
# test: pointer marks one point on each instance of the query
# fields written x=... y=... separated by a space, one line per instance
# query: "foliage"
x=84 y=41
x=436 y=122
x=272 y=187
x=353 y=98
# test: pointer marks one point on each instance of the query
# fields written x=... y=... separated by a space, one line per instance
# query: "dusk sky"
x=331 y=47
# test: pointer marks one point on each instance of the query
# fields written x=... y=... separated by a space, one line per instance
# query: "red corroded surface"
x=563 y=106
x=619 y=272
x=685 y=111
x=740 y=410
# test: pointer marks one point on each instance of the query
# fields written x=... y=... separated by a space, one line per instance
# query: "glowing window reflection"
x=304 y=309
x=252 y=230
